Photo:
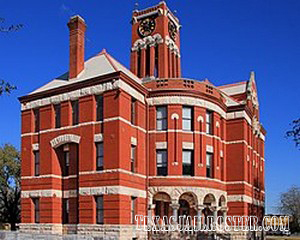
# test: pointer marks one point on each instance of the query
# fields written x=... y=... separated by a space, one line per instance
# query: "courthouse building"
x=102 y=143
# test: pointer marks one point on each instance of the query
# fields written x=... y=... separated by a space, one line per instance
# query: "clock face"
x=172 y=30
x=147 y=27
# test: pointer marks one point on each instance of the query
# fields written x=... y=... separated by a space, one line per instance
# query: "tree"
x=290 y=205
x=10 y=193
x=294 y=133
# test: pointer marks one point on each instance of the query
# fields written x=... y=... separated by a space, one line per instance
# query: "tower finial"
x=136 y=5
x=252 y=76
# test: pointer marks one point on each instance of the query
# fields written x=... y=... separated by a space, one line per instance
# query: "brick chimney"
x=77 y=29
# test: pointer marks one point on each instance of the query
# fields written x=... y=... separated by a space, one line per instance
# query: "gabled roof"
x=234 y=89
x=229 y=100
x=246 y=88
x=99 y=65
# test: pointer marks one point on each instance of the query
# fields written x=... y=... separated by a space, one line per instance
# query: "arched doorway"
x=184 y=209
x=222 y=209
x=187 y=208
x=222 y=201
x=162 y=203
x=209 y=202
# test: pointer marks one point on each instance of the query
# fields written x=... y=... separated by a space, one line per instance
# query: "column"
x=202 y=146
x=152 y=59
x=214 y=209
x=134 y=62
x=178 y=67
x=143 y=62
x=199 y=208
x=215 y=215
x=174 y=63
x=224 y=211
x=175 y=207
x=170 y=63
x=151 y=210
x=163 y=59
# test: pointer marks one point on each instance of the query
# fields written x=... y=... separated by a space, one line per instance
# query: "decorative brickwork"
x=138 y=143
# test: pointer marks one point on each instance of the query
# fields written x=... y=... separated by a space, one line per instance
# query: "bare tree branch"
x=6 y=87
x=294 y=133
x=11 y=28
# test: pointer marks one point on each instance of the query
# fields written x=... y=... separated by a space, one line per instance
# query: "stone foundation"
x=115 y=232
x=123 y=232
x=240 y=235
x=43 y=228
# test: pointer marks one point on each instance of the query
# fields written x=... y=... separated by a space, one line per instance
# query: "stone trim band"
x=93 y=90
x=85 y=191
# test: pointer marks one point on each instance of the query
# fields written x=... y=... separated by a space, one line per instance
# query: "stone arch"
x=191 y=198
x=161 y=205
x=162 y=196
x=174 y=116
x=63 y=139
x=210 y=200
x=222 y=201
x=200 y=119
x=154 y=190
x=176 y=192
x=188 y=203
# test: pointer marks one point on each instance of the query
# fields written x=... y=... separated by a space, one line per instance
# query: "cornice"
x=187 y=93
x=70 y=87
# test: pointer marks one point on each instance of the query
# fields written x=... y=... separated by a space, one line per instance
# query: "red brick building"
x=102 y=143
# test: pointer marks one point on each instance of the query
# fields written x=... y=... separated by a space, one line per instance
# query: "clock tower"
x=155 y=51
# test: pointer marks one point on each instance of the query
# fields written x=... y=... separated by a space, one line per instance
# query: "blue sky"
x=220 y=40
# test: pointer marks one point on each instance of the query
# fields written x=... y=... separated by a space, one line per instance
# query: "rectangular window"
x=133 y=158
x=99 y=210
x=75 y=112
x=187 y=118
x=133 y=111
x=99 y=108
x=36 y=163
x=57 y=110
x=161 y=162
x=161 y=118
x=36 y=205
x=66 y=163
x=99 y=157
x=65 y=210
x=209 y=166
x=187 y=163
x=36 y=120
x=133 y=209
x=209 y=120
